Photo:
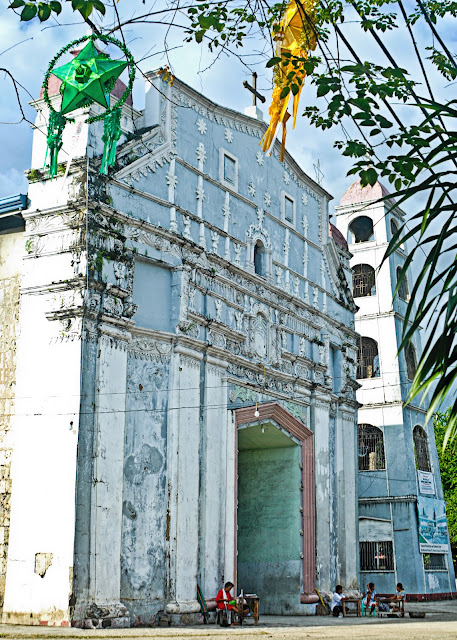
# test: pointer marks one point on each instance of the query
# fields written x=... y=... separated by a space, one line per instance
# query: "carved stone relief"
x=261 y=337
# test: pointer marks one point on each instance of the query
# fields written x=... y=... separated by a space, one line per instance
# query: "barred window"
x=361 y=230
x=370 y=448
x=411 y=364
x=376 y=556
x=421 y=449
x=368 y=359
x=403 y=289
x=363 y=281
x=434 y=562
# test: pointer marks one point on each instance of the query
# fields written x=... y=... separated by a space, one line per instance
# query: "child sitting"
x=335 y=605
x=369 y=600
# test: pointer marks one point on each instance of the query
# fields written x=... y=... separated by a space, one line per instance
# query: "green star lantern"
x=89 y=78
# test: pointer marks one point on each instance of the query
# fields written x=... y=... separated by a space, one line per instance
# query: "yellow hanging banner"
x=296 y=36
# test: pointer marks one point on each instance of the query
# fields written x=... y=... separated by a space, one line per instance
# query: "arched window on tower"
x=363 y=283
x=411 y=362
x=368 y=359
x=421 y=449
x=259 y=258
x=403 y=289
x=394 y=229
x=370 y=441
x=361 y=230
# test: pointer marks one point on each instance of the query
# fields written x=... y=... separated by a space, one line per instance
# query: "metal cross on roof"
x=253 y=90
x=318 y=172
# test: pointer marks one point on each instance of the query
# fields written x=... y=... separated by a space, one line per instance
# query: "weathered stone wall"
x=10 y=261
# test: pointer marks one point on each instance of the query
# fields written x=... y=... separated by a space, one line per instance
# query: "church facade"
x=179 y=378
x=184 y=397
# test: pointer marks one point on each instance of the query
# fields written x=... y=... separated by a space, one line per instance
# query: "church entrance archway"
x=275 y=508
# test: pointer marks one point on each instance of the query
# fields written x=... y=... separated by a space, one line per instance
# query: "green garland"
x=111 y=115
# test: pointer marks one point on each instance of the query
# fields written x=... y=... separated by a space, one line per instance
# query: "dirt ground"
x=395 y=630
x=440 y=623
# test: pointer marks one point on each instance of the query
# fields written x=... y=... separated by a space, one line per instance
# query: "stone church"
x=179 y=365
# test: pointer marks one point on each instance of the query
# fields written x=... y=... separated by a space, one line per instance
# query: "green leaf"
x=383 y=122
x=272 y=62
x=44 y=11
x=295 y=89
x=29 y=12
x=368 y=176
x=16 y=4
x=322 y=90
x=55 y=6
x=85 y=9
x=284 y=93
x=99 y=6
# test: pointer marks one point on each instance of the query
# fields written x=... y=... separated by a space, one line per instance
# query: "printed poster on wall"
x=426 y=482
x=433 y=535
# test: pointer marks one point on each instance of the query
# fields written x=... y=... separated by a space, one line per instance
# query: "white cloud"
x=221 y=82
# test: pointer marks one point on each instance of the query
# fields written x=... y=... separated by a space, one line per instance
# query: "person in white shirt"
x=335 y=605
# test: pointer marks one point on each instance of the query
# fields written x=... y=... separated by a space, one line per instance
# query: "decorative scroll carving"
x=216 y=338
x=147 y=348
x=187 y=361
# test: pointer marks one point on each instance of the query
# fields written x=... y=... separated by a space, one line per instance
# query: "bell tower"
x=396 y=450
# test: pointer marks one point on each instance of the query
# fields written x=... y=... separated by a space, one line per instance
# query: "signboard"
x=433 y=535
x=426 y=483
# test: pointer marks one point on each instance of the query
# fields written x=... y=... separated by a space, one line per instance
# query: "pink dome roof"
x=337 y=236
x=356 y=193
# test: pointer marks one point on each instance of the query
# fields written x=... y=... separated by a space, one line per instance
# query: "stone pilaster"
x=347 y=518
x=320 y=421
x=102 y=607
x=183 y=486
x=214 y=490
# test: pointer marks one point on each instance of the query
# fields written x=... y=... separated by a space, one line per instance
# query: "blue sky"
x=26 y=49
x=34 y=44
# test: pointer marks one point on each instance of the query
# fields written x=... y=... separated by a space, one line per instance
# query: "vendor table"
x=253 y=601
x=356 y=601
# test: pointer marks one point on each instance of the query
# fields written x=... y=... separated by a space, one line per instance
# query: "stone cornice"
x=387 y=499
x=358 y=207
x=240 y=361
x=398 y=403
x=230 y=266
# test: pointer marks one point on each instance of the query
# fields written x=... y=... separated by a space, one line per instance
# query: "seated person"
x=369 y=600
x=335 y=605
x=225 y=599
x=399 y=598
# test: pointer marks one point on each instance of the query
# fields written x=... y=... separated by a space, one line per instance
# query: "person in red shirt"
x=224 y=597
